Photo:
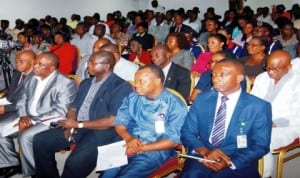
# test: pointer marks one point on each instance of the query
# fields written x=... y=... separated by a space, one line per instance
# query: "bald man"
x=47 y=94
x=123 y=68
x=281 y=87
x=82 y=71
x=92 y=115
x=24 y=65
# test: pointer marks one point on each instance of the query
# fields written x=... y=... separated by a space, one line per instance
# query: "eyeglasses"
x=95 y=62
x=275 y=69
x=254 y=45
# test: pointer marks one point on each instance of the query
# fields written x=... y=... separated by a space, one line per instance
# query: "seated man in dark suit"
x=234 y=136
x=24 y=64
x=180 y=27
x=92 y=114
x=176 y=77
x=47 y=94
x=146 y=39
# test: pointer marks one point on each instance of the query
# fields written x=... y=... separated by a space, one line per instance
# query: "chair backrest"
x=75 y=78
x=176 y=93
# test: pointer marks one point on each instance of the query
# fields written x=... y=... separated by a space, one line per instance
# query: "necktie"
x=219 y=124
x=21 y=79
x=177 y=29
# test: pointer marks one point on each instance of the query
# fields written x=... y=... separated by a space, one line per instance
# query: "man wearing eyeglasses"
x=280 y=85
x=92 y=115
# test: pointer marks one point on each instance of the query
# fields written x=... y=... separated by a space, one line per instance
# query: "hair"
x=28 y=52
x=25 y=35
x=102 y=26
x=108 y=57
x=142 y=24
x=181 y=39
x=47 y=27
x=237 y=64
x=4 y=21
x=39 y=34
x=263 y=41
x=155 y=70
x=109 y=47
x=64 y=32
x=53 y=58
x=220 y=38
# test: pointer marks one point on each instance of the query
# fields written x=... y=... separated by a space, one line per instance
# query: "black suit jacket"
x=178 y=78
x=15 y=90
x=186 y=29
x=146 y=40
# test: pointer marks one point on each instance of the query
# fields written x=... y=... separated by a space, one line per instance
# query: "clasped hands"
x=221 y=159
x=24 y=123
x=133 y=146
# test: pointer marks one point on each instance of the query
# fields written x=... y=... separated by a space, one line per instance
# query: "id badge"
x=159 y=126
x=241 y=141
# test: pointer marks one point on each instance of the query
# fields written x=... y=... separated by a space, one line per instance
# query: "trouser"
x=8 y=154
x=139 y=165
x=80 y=162
x=281 y=136
x=193 y=168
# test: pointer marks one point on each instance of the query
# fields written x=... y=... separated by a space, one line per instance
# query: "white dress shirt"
x=230 y=106
x=166 y=70
x=41 y=84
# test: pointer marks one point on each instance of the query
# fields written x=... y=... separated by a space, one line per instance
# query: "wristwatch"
x=80 y=125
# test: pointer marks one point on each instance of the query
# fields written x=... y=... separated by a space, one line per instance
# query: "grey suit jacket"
x=58 y=94
x=16 y=90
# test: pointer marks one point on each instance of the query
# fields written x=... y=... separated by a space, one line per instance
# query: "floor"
x=291 y=168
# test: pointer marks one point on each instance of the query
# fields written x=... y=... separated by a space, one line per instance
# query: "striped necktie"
x=219 y=124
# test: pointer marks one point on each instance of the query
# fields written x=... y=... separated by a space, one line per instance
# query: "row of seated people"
x=253 y=45
x=148 y=119
x=86 y=33
x=32 y=106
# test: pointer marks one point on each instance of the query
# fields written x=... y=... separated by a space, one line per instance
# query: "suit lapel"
x=170 y=75
x=32 y=87
x=236 y=115
x=21 y=85
x=49 y=84
x=211 y=109
x=103 y=88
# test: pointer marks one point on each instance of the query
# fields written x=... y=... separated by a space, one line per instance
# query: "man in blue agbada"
x=149 y=120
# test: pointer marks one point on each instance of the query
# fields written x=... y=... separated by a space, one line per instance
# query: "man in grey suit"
x=46 y=95
x=24 y=65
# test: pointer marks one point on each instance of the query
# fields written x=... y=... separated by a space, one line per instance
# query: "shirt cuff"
x=232 y=166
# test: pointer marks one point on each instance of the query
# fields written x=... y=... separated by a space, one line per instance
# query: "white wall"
x=262 y=3
x=26 y=9
x=219 y=5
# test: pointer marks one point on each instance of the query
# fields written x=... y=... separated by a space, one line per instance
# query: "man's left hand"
x=222 y=160
x=24 y=123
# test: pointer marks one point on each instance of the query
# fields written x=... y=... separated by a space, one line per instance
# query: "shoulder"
x=116 y=83
x=180 y=69
x=172 y=99
x=253 y=101
x=128 y=64
x=263 y=77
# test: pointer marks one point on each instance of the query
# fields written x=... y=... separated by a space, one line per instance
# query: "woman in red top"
x=67 y=53
x=137 y=54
